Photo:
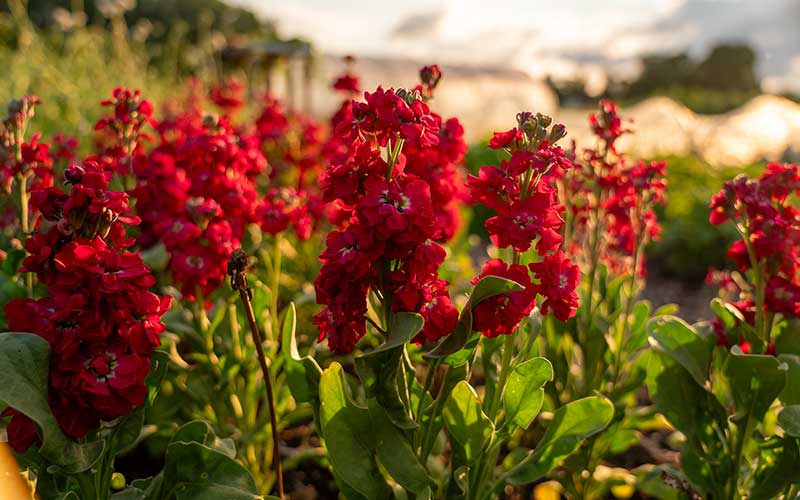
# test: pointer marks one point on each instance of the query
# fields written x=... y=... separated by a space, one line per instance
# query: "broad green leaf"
x=789 y=420
x=128 y=431
x=129 y=493
x=24 y=371
x=201 y=468
x=756 y=380
x=215 y=492
x=571 y=424
x=199 y=431
x=379 y=369
x=780 y=468
x=13 y=260
x=487 y=287
x=345 y=428
x=684 y=344
x=523 y=394
x=790 y=395
x=395 y=452
x=302 y=374
x=730 y=316
x=466 y=422
x=638 y=336
x=159 y=362
x=671 y=386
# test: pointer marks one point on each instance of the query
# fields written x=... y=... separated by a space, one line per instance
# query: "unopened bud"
x=544 y=120
x=430 y=76
x=558 y=131
x=210 y=120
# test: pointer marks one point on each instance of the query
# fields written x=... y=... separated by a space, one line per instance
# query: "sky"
x=563 y=38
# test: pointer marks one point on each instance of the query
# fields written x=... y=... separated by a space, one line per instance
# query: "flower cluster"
x=768 y=254
x=292 y=144
x=100 y=317
x=122 y=132
x=26 y=164
x=196 y=192
x=610 y=201
x=520 y=191
x=386 y=242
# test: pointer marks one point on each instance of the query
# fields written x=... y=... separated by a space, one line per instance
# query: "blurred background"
x=711 y=85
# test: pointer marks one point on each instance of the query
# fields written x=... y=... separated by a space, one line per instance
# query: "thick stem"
x=236 y=268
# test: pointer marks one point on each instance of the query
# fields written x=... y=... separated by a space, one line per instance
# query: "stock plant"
x=385 y=428
x=740 y=371
x=80 y=366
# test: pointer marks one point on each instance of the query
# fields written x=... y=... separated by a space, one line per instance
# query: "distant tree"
x=728 y=67
x=162 y=14
x=662 y=71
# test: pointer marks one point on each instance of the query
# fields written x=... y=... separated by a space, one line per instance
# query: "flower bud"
x=558 y=131
x=117 y=481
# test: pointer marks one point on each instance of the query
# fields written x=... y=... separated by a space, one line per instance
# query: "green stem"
x=275 y=286
x=427 y=387
x=24 y=223
x=742 y=439
x=427 y=438
x=626 y=317
x=761 y=331
x=508 y=352
x=86 y=485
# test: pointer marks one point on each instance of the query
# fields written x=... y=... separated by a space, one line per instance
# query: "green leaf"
x=199 y=468
x=671 y=387
x=571 y=424
x=214 y=492
x=780 y=469
x=790 y=395
x=756 y=380
x=789 y=420
x=395 y=452
x=24 y=370
x=302 y=374
x=487 y=287
x=466 y=422
x=684 y=344
x=199 y=431
x=379 y=369
x=523 y=393
x=345 y=428
x=159 y=362
x=638 y=336
x=13 y=260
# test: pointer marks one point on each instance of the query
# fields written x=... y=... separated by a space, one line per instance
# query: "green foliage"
x=571 y=424
x=689 y=245
x=24 y=368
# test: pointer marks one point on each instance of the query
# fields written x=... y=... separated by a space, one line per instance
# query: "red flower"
x=525 y=220
x=506 y=139
x=558 y=278
x=500 y=315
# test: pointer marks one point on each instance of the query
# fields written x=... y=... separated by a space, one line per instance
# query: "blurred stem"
x=24 y=224
x=245 y=294
x=762 y=332
x=275 y=284
x=626 y=316
x=505 y=363
x=393 y=153
x=427 y=437
x=742 y=437
x=427 y=387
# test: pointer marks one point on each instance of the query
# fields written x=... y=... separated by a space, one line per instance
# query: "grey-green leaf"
x=345 y=426
x=571 y=424
x=523 y=393
x=24 y=370
x=789 y=420
x=684 y=344
x=465 y=420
